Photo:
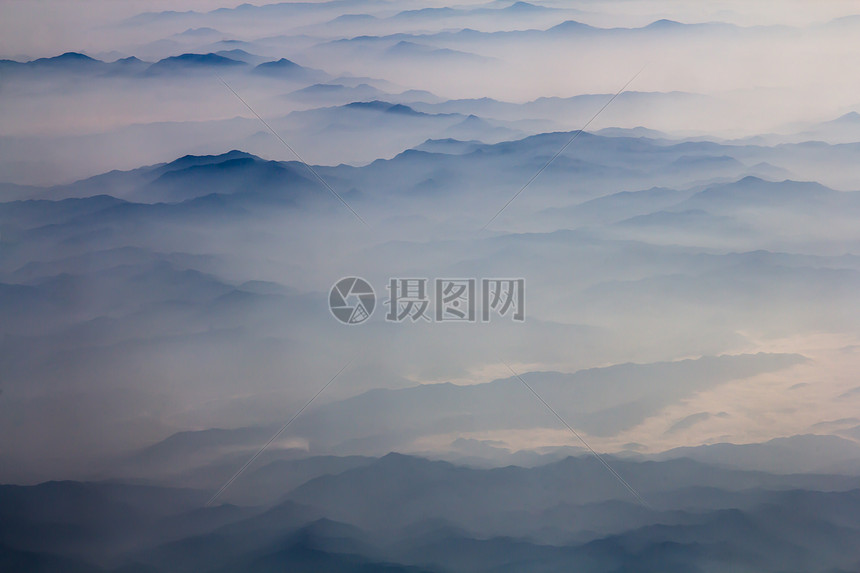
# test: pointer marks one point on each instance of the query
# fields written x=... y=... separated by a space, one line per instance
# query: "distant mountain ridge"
x=78 y=63
x=403 y=513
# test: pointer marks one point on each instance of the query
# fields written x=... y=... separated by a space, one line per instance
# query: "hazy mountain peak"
x=282 y=63
x=189 y=160
x=288 y=69
x=525 y=7
x=67 y=58
x=571 y=26
x=192 y=61
x=851 y=116
x=383 y=106
x=664 y=24
x=71 y=56
x=202 y=31
x=129 y=60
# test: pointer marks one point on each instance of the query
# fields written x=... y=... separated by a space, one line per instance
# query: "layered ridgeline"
x=162 y=286
x=402 y=513
x=176 y=204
